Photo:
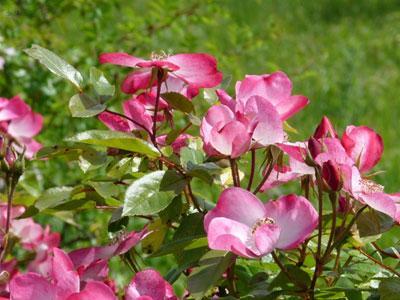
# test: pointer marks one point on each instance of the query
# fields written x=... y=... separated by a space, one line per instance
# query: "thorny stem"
x=318 y=263
x=235 y=172
x=129 y=119
x=378 y=262
x=286 y=272
x=253 y=168
x=332 y=197
x=231 y=277
x=159 y=82
x=267 y=173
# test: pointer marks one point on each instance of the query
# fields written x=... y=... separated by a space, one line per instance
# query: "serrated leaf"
x=143 y=197
x=187 y=154
x=100 y=83
x=83 y=106
x=55 y=64
x=178 y=101
x=115 y=139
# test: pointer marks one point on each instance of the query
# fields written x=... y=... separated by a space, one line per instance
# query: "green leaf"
x=143 y=197
x=116 y=139
x=105 y=189
x=54 y=197
x=100 y=83
x=56 y=64
x=153 y=241
x=173 y=181
x=83 y=106
x=178 y=101
x=204 y=171
x=196 y=157
x=173 y=211
x=117 y=221
x=212 y=265
x=389 y=288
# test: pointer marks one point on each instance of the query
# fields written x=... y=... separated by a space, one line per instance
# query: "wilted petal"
x=198 y=69
x=296 y=218
x=364 y=145
x=119 y=58
x=32 y=286
x=94 y=290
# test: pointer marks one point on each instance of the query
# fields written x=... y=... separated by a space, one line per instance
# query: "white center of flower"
x=261 y=222
x=158 y=56
x=369 y=186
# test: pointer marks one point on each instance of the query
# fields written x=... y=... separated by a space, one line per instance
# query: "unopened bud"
x=315 y=147
x=331 y=175
x=325 y=129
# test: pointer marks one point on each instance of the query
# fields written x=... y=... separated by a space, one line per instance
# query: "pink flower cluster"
x=19 y=124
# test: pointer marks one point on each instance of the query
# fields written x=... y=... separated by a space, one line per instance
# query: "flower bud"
x=344 y=205
x=315 y=147
x=331 y=175
x=325 y=129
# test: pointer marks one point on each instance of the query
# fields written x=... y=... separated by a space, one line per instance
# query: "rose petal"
x=32 y=286
x=119 y=58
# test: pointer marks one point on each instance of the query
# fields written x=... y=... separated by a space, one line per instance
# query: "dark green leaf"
x=212 y=265
x=117 y=221
x=55 y=64
x=178 y=101
x=83 y=106
x=116 y=139
x=173 y=211
x=196 y=157
x=143 y=197
x=173 y=181
x=389 y=288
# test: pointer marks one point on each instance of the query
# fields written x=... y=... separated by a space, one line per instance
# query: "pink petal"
x=114 y=122
x=291 y=106
x=94 y=290
x=15 y=108
x=333 y=150
x=269 y=128
x=231 y=139
x=31 y=147
x=225 y=99
x=146 y=283
x=31 y=286
x=27 y=126
x=198 y=69
x=239 y=205
x=296 y=218
x=137 y=111
x=119 y=58
x=216 y=114
x=138 y=80
x=381 y=202
x=277 y=178
x=64 y=274
x=229 y=235
x=364 y=145
x=266 y=237
x=164 y=64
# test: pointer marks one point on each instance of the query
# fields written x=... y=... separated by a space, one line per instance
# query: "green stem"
x=253 y=168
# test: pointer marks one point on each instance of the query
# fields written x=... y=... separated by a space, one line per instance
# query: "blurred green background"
x=344 y=55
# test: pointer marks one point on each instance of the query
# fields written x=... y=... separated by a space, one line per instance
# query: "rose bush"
x=152 y=167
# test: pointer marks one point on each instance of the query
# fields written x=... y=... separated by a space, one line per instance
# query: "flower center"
x=158 y=56
x=368 y=186
x=261 y=222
